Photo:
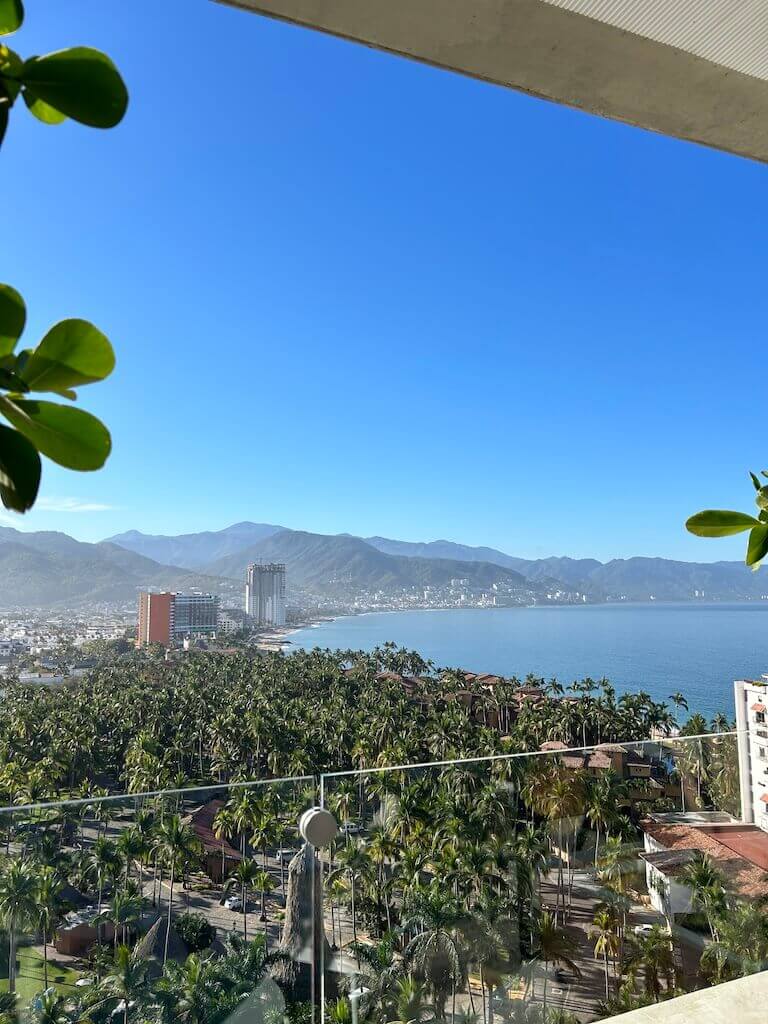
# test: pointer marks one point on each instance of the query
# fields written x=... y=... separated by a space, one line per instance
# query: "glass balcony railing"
x=567 y=885
x=555 y=886
x=194 y=904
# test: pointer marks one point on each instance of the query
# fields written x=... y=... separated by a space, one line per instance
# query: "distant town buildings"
x=170 y=618
x=265 y=594
x=751 y=697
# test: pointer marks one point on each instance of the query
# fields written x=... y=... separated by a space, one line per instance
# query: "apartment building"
x=751 y=698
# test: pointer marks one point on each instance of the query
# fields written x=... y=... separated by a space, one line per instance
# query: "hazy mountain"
x=443 y=549
x=194 y=550
x=633 y=579
x=52 y=570
x=336 y=562
x=320 y=562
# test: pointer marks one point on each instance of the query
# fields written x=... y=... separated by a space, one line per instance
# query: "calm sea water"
x=662 y=648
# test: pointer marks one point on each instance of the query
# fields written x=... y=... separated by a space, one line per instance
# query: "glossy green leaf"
x=19 y=470
x=43 y=111
x=72 y=353
x=10 y=67
x=80 y=82
x=756 y=481
x=757 y=547
x=720 y=523
x=69 y=436
x=13 y=316
x=11 y=16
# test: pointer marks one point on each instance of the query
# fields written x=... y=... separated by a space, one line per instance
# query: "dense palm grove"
x=142 y=723
x=450 y=896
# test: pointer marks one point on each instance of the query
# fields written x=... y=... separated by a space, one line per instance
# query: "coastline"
x=277 y=638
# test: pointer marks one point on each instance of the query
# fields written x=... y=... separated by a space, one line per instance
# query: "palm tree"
x=131 y=847
x=49 y=908
x=244 y=877
x=125 y=983
x=104 y=861
x=563 y=803
x=190 y=992
x=602 y=805
x=123 y=911
x=18 y=907
x=264 y=883
x=50 y=1007
x=244 y=964
x=353 y=863
x=434 y=951
x=378 y=971
x=654 y=955
x=554 y=946
x=708 y=892
x=178 y=846
x=409 y=1003
x=603 y=931
x=679 y=700
x=742 y=945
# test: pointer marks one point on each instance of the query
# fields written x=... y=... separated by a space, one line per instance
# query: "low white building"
x=751 y=698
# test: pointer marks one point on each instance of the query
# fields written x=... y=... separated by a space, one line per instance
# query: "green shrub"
x=195 y=932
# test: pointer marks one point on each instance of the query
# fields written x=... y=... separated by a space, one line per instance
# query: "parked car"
x=643 y=929
x=351 y=828
x=233 y=903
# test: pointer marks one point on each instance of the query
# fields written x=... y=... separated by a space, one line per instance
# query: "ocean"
x=697 y=649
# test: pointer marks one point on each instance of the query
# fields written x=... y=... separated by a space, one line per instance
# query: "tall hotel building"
x=265 y=594
x=752 y=725
x=168 y=618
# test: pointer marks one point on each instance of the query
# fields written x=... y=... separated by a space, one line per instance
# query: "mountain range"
x=54 y=571
x=319 y=561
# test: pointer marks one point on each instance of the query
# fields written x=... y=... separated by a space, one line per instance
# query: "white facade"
x=668 y=896
x=751 y=697
x=265 y=594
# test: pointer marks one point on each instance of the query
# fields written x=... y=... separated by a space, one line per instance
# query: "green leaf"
x=80 y=82
x=11 y=65
x=19 y=470
x=756 y=481
x=71 y=437
x=757 y=547
x=43 y=111
x=11 y=16
x=72 y=353
x=13 y=316
x=719 y=523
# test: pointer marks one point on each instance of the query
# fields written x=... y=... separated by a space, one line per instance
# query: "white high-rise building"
x=265 y=594
x=751 y=696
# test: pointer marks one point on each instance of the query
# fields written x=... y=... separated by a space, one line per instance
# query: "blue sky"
x=351 y=293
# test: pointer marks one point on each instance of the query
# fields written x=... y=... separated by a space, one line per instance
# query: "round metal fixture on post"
x=318 y=827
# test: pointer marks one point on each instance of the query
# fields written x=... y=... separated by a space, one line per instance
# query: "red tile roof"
x=202 y=825
x=757 y=707
x=744 y=875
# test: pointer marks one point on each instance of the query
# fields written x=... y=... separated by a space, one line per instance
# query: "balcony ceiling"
x=693 y=69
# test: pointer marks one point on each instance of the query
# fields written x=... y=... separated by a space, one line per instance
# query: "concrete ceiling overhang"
x=693 y=69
